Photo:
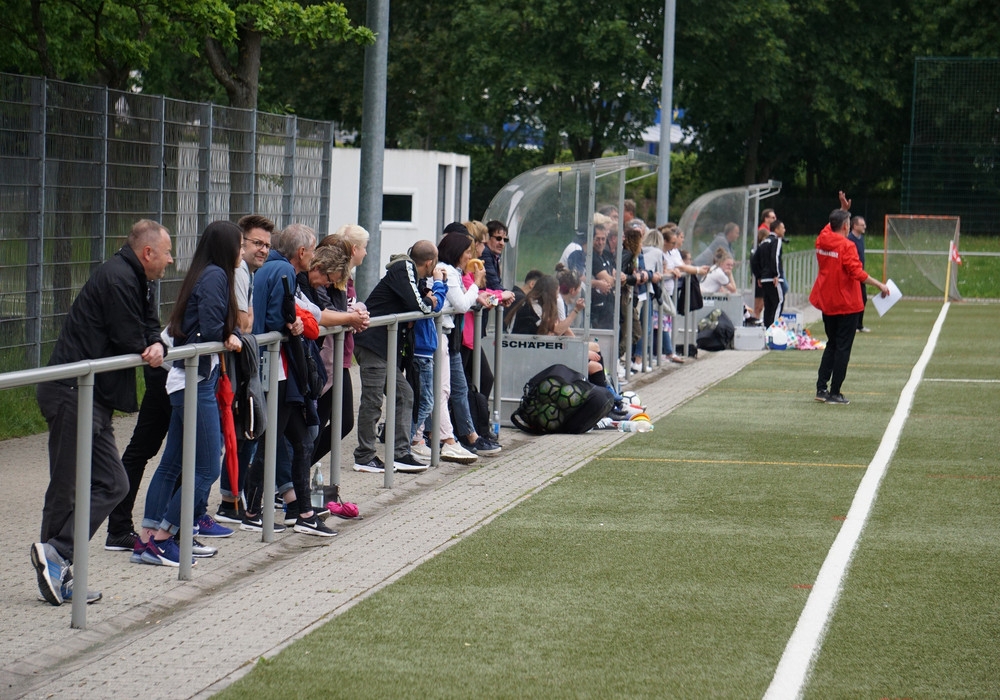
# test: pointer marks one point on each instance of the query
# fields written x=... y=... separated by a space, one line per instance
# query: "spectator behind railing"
x=335 y=295
x=671 y=271
x=205 y=312
x=455 y=251
x=486 y=249
x=291 y=253
x=112 y=315
x=395 y=293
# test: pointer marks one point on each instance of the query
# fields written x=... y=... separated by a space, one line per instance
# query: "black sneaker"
x=121 y=543
x=408 y=464
x=822 y=396
x=230 y=512
x=254 y=523
x=372 y=466
x=837 y=399
x=313 y=526
x=291 y=513
x=485 y=447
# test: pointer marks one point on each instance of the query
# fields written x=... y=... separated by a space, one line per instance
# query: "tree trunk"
x=753 y=143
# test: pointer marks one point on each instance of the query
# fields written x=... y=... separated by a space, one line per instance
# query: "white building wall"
x=436 y=185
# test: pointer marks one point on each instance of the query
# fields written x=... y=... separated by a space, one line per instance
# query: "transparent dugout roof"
x=544 y=208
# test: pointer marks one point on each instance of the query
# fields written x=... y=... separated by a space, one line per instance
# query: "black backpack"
x=560 y=400
x=716 y=332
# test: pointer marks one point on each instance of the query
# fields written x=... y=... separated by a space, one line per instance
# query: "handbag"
x=690 y=283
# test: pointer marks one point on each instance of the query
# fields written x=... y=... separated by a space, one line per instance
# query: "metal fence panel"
x=80 y=164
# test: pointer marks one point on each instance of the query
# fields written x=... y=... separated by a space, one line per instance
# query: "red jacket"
x=836 y=290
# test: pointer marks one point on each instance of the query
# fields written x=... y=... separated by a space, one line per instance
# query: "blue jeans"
x=424 y=367
x=459 y=399
x=163 y=503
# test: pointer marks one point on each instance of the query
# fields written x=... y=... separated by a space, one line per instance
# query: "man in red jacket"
x=837 y=294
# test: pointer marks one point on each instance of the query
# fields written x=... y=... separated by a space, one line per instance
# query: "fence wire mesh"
x=80 y=164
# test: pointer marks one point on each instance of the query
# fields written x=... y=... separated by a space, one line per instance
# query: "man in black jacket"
x=114 y=314
x=396 y=293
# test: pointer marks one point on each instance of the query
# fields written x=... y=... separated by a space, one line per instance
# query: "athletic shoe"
x=454 y=452
x=323 y=512
x=407 y=464
x=420 y=450
x=254 y=523
x=822 y=396
x=837 y=399
x=67 y=593
x=230 y=512
x=207 y=527
x=165 y=553
x=863 y=329
x=279 y=502
x=121 y=543
x=51 y=570
x=313 y=526
x=137 y=549
x=372 y=466
x=291 y=513
x=485 y=447
x=199 y=550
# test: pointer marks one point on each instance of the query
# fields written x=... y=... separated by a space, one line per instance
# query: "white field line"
x=803 y=646
x=967 y=381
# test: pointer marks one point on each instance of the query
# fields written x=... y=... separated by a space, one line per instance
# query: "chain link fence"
x=79 y=165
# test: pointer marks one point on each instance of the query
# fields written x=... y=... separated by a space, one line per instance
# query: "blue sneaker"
x=207 y=527
x=52 y=570
x=138 y=548
x=165 y=553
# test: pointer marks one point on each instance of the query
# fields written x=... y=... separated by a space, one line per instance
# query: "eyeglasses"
x=259 y=245
x=505 y=239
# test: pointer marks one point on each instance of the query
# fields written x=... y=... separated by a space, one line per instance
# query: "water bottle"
x=496 y=424
x=634 y=426
x=316 y=488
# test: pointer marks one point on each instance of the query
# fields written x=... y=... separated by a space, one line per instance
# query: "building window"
x=397 y=207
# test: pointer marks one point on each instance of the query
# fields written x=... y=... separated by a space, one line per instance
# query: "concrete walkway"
x=253 y=599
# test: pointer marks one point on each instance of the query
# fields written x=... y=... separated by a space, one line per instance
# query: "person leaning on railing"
x=113 y=314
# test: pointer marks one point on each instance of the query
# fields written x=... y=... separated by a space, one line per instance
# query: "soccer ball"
x=630 y=398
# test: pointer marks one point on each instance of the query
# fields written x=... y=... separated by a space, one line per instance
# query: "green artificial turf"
x=677 y=563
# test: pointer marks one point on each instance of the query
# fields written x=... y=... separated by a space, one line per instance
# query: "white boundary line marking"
x=966 y=381
x=803 y=646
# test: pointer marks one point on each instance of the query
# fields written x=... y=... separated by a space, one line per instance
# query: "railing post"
x=270 y=442
x=81 y=511
x=188 y=456
x=337 y=409
x=392 y=348
x=438 y=382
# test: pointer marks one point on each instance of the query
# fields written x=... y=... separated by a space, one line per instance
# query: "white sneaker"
x=636 y=366
x=420 y=450
x=454 y=452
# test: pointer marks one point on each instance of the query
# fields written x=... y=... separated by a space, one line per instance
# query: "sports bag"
x=560 y=400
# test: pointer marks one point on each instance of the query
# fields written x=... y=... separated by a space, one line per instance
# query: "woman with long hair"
x=205 y=312
x=454 y=254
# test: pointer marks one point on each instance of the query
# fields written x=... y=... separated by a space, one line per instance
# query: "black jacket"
x=765 y=263
x=396 y=293
x=113 y=314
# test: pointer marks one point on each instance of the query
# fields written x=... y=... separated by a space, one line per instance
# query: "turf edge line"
x=803 y=646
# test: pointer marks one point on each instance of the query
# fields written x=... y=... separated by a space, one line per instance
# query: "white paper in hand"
x=883 y=304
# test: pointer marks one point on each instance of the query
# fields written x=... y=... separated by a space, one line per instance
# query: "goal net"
x=917 y=254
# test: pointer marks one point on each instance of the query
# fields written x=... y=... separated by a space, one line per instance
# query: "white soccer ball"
x=630 y=398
